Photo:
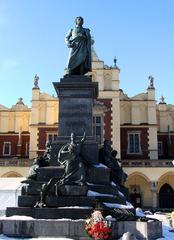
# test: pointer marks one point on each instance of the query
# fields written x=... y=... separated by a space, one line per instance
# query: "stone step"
x=54 y=201
x=70 y=201
x=112 y=199
x=106 y=189
x=35 y=189
x=98 y=175
x=28 y=200
x=46 y=173
x=32 y=189
x=51 y=213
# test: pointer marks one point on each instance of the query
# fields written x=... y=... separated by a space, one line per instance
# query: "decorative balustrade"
x=147 y=163
x=25 y=162
x=16 y=162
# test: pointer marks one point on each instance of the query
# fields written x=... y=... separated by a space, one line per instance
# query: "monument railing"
x=147 y=163
x=16 y=162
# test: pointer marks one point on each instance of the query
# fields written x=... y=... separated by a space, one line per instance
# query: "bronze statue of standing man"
x=78 y=40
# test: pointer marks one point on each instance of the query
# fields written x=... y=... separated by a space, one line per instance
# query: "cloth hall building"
x=141 y=130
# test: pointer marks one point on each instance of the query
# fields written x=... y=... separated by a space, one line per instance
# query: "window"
x=7 y=149
x=160 y=148
x=51 y=137
x=134 y=143
x=98 y=128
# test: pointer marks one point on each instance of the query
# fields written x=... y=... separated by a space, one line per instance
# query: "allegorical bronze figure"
x=43 y=161
x=108 y=157
x=78 y=40
x=70 y=156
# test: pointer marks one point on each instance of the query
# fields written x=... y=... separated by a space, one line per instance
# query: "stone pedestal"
x=76 y=95
x=69 y=228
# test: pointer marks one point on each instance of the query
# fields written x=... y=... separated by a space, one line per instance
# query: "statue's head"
x=79 y=21
x=114 y=153
x=37 y=160
x=107 y=146
x=107 y=143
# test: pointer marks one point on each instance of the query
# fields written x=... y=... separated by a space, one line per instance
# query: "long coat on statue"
x=78 y=40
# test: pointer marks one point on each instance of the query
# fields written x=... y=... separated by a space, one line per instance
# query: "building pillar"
x=116 y=109
x=152 y=120
x=19 y=145
x=116 y=123
x=153 y=188
x=33 y=148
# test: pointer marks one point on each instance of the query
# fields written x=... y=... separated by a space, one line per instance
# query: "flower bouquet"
x=97 y=227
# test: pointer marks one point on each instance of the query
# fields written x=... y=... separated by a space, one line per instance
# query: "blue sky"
x=140 y=33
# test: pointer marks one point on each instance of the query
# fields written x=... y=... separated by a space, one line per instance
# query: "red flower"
x=106 y=236
x=98 y=230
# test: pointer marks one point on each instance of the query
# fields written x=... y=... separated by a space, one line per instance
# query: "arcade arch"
x=166 y=190
x=12 y=174
x=139 y=190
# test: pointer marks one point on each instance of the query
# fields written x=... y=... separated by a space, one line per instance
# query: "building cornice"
x=138 y=126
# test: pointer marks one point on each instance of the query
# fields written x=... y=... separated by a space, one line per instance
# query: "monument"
x=78 y=40
x=72 y=178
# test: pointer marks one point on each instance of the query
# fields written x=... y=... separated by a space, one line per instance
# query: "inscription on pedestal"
x=75 y=116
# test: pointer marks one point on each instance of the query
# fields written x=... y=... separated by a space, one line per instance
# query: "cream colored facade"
x=11 y=171
x=108 y=80
x=141 y=110
x=15 y=119
x=138 y=112
x=44 y=111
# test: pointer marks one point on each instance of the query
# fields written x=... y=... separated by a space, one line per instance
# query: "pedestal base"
x=75 y=229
